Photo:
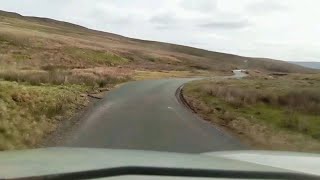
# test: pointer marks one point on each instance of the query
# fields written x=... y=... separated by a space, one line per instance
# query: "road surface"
x=146 y=115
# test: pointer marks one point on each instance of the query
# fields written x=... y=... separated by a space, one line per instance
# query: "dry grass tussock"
x=50 y=41
x=28 y=113
x=33 y=102
x=89 y=77
x=279 y=113
x=306 y=100
x=45 y=65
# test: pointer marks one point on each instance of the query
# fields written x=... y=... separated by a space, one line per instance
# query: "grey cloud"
x=163 y=19
x=109 y=17
x=226 y=25
x=199 y=5
x=163 y=27
x=265 y=6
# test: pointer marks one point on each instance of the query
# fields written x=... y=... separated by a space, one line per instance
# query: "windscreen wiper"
x=174 y=172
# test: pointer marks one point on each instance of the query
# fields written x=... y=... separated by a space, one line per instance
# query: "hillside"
x=314 y=65
x=272 y=112
x=38 y=42
x=49 y=69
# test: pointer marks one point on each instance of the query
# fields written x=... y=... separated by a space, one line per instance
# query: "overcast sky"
x=286 y=29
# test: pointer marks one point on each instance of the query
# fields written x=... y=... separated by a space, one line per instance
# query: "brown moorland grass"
x=41 y=60
x=60 y=77
x=280 y=113
x=28 y=113
x=60 y=43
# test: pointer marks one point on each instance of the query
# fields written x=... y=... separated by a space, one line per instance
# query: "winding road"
x=146 y=115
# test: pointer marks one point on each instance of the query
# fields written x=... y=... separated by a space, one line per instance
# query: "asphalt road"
x=146 y=115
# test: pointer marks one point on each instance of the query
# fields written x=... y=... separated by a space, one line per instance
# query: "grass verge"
x=143 y=74
x=34 y=102
x=28 y=113
x=279 y=113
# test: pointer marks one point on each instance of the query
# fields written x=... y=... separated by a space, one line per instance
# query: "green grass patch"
x=95 y=56
x=279 y=113
x=28 y=113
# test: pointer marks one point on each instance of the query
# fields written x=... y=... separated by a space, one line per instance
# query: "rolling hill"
x=50 y=69
x=314 y=65
x=33 y=42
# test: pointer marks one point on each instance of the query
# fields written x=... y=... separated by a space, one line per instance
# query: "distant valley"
x=314 y=65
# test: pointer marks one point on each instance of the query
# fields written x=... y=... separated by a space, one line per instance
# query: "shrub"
x=237 y=96
x=227 y=117
x=305 y=100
